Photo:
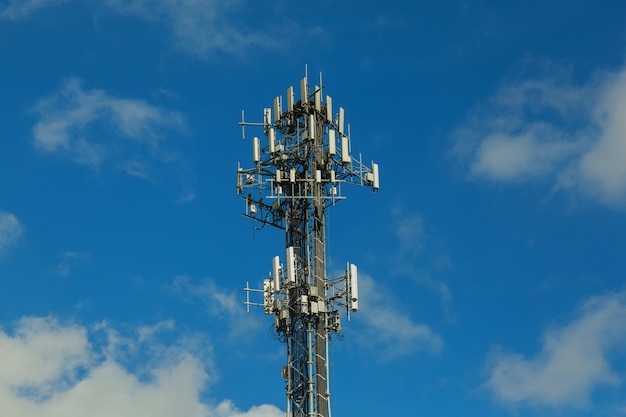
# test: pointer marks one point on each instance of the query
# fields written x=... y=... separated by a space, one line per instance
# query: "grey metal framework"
x=298 y=172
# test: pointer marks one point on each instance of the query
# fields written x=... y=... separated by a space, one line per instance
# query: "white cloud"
x=11 y=231
x=228 y=409
x=601 y=171
x=199 y=27
x=574 y=360
x=414 y=241
x=129 y=131
x=548 y=127
x=220 y=303
x=41 y=352
x=70 y=260
x=409 y=230
x=17 y=9
x=533 y=152
x=50 y=369
x=390 y=328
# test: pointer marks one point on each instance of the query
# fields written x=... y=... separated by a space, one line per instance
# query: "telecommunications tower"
x=299 y=169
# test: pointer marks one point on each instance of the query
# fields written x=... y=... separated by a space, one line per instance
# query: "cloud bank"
x=575 y=359
x=52 y=369
x=550 y=128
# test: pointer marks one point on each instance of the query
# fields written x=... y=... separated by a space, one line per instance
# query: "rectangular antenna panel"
x=268 y=297
x=329 y=108
x=304 y=91
x=318 y=175
x=354 y=287
x=272 y=138
x=278 y=108
x=375 y=182
x=340 y=121
x=332 y=142
x=291 y=265
x=312 y=126
x=279 y=176
x=256 y=149
x=332 y=176
x=239 y=179
x=345 y=153
x=304 y=304
x=276 y=273
x=267 y=116
x=318 y=98
x=290 y=99
x=292 y=175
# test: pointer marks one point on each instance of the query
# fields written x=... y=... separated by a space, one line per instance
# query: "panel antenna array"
x=298 y=172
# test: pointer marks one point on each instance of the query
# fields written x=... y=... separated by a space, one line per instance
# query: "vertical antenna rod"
x=298 y=172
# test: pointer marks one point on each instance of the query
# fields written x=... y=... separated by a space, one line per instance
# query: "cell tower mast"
x=298 y=173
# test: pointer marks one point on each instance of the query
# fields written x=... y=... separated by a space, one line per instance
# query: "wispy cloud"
x=11 y=231
x=414 y=242
x=203 y=28
x=17 y=9
x=409 y=230
x=52 y=369
x=91 y=127
x=219 y=303
x=574 y=360
x=548 y=127
x=70 y=260
x=390 y=328
x=199 y=27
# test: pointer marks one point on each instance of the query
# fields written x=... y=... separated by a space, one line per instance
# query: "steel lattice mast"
x=298 y=173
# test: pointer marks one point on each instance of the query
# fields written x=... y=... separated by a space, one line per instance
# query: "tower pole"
x=297 y=175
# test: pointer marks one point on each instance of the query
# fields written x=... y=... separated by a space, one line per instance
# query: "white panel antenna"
x=375 y=180
x=340 y=121
x=267 y=116
x=312 y=127
x=354 y=287
x=276 y=273
x=272 y=139
x=345 y=152
x=332 y=142
x=278 y=108
x=291 y=265
x=256 y=149
x=304 y=91
x=318 y=98
x=290 y=99
x=329 y=108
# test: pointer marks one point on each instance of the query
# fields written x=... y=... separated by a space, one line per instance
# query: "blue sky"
x=491 y=260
